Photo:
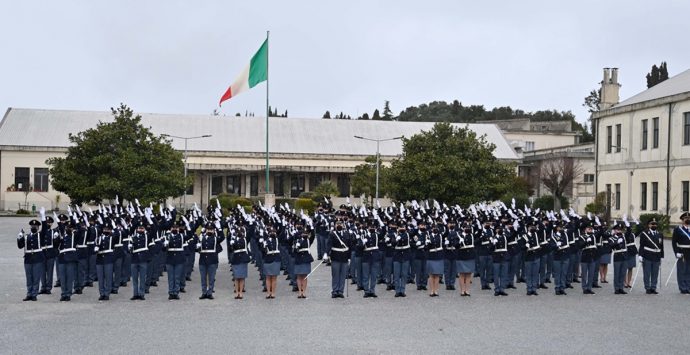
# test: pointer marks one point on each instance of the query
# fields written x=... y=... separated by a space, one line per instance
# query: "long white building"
x=643 y=147
x=303 y=152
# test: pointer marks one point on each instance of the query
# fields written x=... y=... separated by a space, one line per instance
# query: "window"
x=645 y=133
x=233 y=184
x=655 y=133
x=686 y=128
x=254 y=185
x=618 y=138
x=278 y=184
x=41 y=179
x=655 y=196
x=529 y=146
x=618 y=196
x=589 y=178
x=643 y=196
x=608 y=196
x=315 y=180
x=216 y=185
x=344 y=185
x=190 y=188
x=21 y=179
x=609 y=137
x=686 y=195
x=296 y=185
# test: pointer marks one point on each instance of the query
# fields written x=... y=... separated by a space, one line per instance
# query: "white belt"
x=512 y=243
x=273 y=252
x=469 y=247
x=500 y=250
x=619 y=251
x=175 y=249
x=117 y=245
x=34 y=251
x=402 y=248
x=534 y=248
x=485 y=243
x=682 y=246
x=371 y=248
x=591 y=247
x=90 y=243
x=208 y=251
x=240 y=251
x=436 y=249
x=562 y=247
x=303 y=249
x=544 y=243
x=66 y=250
x=652 y=250
x=46 y=247
x=81 y=246
x=450 y=248
x=340 y=249
x=105 y=251
x=141 y=249
x=630 y=245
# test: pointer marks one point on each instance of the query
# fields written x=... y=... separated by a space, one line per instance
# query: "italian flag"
x=254 y=73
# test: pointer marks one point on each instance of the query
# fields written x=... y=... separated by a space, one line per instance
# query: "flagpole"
x=267 y=114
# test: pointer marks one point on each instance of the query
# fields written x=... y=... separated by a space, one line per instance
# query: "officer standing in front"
x=33 y=259
x=681 y=247
x=209 y=246
x=175 y=245
x=651 y=253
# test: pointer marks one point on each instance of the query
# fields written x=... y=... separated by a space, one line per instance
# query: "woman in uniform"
x=466 y=260
x=240 y=259
x=271 y=260
x=303 y=260
x=434 y=260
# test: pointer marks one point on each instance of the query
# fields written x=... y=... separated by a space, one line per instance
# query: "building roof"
x=672 y=86
x=50 y=128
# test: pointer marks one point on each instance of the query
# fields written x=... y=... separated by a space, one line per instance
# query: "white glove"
x=261 y=240
x=165 y=243
x=217 y=224
x=203 y=230
x=589 y=240
x=494 y=240
x=641 y=259
x=620 y=240
x=397 y=239
x=679 y=255
x=232 y=242
x=365 y=240
x=20 y=235
x=56 y=235
x=527 y=245
x=419 y=243
x=387 y=239
x=446 y=243
x=95 y=249
x=325 y=256
x=558 y=244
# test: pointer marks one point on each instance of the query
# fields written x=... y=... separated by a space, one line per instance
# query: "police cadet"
x=209 y=246
x=515 y=251
x=681 y=247
x=631 y=255
x=240 y=260
x=401 y=259
x=48 y=242
x=484 y=255
x=435 y=259
x=92 y=233
x=357 y=253
x=419 y=259
x=388 y=253
x=303 y=259
x=271 y=258
x=450 y=267
x=118 y=235
x=175 y=244
x=620 y=250
x=67 y=261
x=371 y=259
x=532 y=247
x=545 y=255
x=338 y=252
x=155 y=247
x=573 y=234
x=500 y=259
x=604 y=253
x=466 y=259
x=104 y=261
x=588 y=258
x=138 y=245
x=561 y=258
x=82 y=254
x=651 y=253
x=33 y=259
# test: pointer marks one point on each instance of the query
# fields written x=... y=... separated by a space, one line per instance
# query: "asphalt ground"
x=575 y=324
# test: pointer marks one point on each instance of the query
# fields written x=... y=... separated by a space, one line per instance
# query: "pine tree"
x=387 y=113
x=376 y=116
x=327 y=115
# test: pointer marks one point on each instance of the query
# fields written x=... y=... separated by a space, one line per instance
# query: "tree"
x=325 y=189
x=363 y=181
x=657 y=75
x=327 y=115
x=120 y=158
x=376 y=116
x=592 y=102
x=557 y=175
x=365 y=116
x=448 y=164
x=387 y=113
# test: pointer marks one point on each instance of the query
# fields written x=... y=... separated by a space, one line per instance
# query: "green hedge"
x=545 y=203
x=662 y=220
x=306 y=204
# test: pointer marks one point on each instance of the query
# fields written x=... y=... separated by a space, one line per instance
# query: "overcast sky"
x=350 y=56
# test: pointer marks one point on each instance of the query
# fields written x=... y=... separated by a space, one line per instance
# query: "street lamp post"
x=378 y=141
x=184 y=197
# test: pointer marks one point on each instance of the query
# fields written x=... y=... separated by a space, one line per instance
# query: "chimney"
x=609 y=89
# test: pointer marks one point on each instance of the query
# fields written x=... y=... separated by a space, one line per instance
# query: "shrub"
x=597 y=207
x=306 y=204
x=662 y=220
x=22 y=211
x=520 y=200
x=545 y=203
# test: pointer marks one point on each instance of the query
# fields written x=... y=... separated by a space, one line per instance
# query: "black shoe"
x=360 y=288
x=202 y=297
x=34 y=299
x=486 y=288
x=403 y=294
x=188 y=278
x=154 y=284
x=367 y=295
x=353 y=282
x=102 y=298
x=142 y=298
x=134 y=298
x=547 y=281
x=604 y=282
x=685 y=292
x=77 y=291
x=182 y=290
x=502 y=293
x=389 y=288
x=335 y=295
x=295 y=289
x=123 y=284
x=543 y=287
x=497 y=293
x=397 y=294
x=210 y=297
x=340 y=295
x=374 y=295
x=115 y=292
x=62 y=298
x=535 y=293
x=576 y=280
x=596 y=286
x=529 y=293
x=264 y=290
x=647 y=291
x=106 y=298
x=654 y=292
x=424 y=288
x=27 y=298
x=512 y=287
x=57 y=284
x=88 y=284
x=44 y=292
x=171 y=297
x=521 y=280
x=146 y=291
x=380 y=282
x=419 y=288
x=569 y=286
x=628 y=286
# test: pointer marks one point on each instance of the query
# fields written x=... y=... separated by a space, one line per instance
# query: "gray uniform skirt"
x=466 y=266
x=605 y=259
x=631 y=261
x=302 y=269
x=435 y=267
x=239 y=271
x=272 y=269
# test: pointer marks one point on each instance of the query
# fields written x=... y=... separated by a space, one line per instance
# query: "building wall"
x=32 y=160
x=541 y=140
x=634 y=165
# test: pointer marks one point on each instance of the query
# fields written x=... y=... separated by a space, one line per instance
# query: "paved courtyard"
x=603 y=323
